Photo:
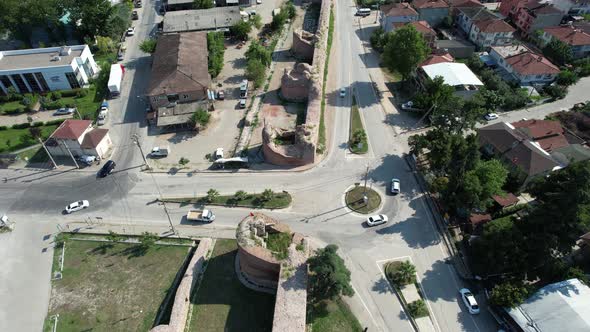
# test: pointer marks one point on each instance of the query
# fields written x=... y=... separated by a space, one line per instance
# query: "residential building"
x=531 y=15
x=457 y=75
x=454 y=5
x=396 y=13
x=173 y=5
x=424 y=28
x=47 y=69
x=77 y=137
x=484 y=28
x=524 y=65
x=577 y=39
x=439 y=57
x=561 y=306
x=431 y=11
x=460 y=49
x=579 y=7
x=214 y=19
x=180 y=80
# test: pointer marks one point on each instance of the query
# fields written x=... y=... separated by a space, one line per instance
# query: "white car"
x=469 y=301
x=218 y=153
x=131 y=31
x=395 y=186
x=491 y=116
x=77 y=206
x=342 y=92
x=259 y=1
x=88 y=160
x=377 y=220
x=64 y=111
x=407 y=105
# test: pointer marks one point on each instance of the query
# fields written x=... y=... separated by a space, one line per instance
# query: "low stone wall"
x=302 y=47
x=295 y=83
x=182 y=304
x=259 y=267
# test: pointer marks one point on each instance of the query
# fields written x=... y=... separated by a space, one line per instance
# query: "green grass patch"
x=279 y=243
x=354 y=200
x=279 y=201
x=15 y=139
x=35 y=155
x=356 y=123
x=222 y=303
x=322 y=127
x=112 y=287
x=332 y=316
x=87 y=105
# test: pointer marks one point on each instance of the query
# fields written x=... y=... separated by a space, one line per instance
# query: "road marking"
x=364 y=304
x=392 y=290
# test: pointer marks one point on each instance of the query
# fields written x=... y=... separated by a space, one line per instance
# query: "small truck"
x=159 y=152
x=204 y=215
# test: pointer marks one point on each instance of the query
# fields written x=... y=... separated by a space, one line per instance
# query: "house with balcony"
x=483 y=28
x=532 y=15
x=577 y=39
x=396 y=13
x=525 y=66
x=431 y=11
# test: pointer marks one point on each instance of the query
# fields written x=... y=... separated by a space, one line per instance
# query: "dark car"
x=220 y=95
x=107 y=169
x=134 y=15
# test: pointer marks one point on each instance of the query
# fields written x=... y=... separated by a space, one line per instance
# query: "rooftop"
x=549 y=134
x=179 y=2
x=562 y=306
x=537 y=7
x=464 y=3
x=424 y=4
x=494 y=25
x=510 y=50
x=529 y=63
x=505 y=200
x=569 y=35
x=180 y=64
x=201 y=19
x=398 y=9
x=422 y=27
x=454 y=74
x=71 y=129
x=477 y=13
x=437 y=58
x=93 y=138
x=40 y=57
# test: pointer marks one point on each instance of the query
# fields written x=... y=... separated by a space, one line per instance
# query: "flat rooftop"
x=38 y=57
x=201 y=19
x=510 y=50
x=179 y=2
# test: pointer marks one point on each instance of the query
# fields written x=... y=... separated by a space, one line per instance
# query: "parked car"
x=77 y=206
x=377 y=220
x=134 y=15
x=131 y=31
x=491 y=116
x=138 y=4
x=107 y=169
x=395 y=186
x=243 y=103
x=87 y=160
x=64 y=111
x=469 y=301
x=120 y=56
x=218 y=153
x=221 y=95
x=259 y=2
x=158 y=152
x=408 y=105
x=342 y=92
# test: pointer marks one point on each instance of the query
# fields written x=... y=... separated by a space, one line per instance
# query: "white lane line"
x=392 y=290
x=365 y=305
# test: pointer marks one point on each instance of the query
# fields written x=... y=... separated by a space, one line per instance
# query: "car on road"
x=395 y=186
x=408 y=105
x=242 y=103
x=77 y=206
x=107 y=169
x=87 y=160
x=64 y=111
x=120 y=55
x=131 y=31
x=377 y=220
x=342 y=92
x=220 y=95
x=491 y=116
x=134 y=15
x=137 y=3
x=218 y=153
x=469 y=301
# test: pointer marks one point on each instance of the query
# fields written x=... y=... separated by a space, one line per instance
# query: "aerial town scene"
x=295 y=165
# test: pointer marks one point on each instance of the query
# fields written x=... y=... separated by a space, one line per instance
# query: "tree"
x=183 y=161
x=241 y=30
x=94 y=16
x=402 y=274
x=19 y=17
x=104 y=44
x=278 y=21
x=567 y=78
x=378 y=39
x=148 y=45
x=418 y=309
x=358 y=136
x=216 y=48
x=258 y=52
x=256 y=72
x=148 y=239
x=447 y=22
x=509 y=294
x=289 y=8
x=35 y=132
x=481 y=183
x=240 y=195
x=212 y=194
x=556 y=91
x=204 y=4
x=329 y=276
x=267 y=195
x=200 y=118
x=558 y=52
x=256 y=21
x=404 y=50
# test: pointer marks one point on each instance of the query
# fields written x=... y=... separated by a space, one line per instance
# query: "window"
x=42 y=81
x=172 y=98
x=72 y=80
x=88 y=68
x=184 y=96
x=6 y=81
x=22 y=87
x=32 y=83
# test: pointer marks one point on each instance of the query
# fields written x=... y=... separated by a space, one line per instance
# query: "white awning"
x=453 y=73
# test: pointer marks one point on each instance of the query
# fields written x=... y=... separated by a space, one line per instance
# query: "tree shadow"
x=382 y=286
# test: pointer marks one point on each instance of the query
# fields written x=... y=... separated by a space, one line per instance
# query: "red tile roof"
x=93 y=138
x=494 y=25
x=549 y=134
x=529 y=63
x=477 y=219
x=506 y=200
x=464 y=3
x=569 y=35
x=539 y=7
x=398 y=9
x=436 y=58
x=422 y=27
x=71 y=129
x=422 y=4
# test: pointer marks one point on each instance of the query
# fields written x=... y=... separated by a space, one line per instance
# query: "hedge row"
x=34 y=124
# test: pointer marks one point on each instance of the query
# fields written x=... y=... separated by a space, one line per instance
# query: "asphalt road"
x=35 y=200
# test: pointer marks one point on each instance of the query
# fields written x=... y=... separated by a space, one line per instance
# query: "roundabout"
x=363 y=200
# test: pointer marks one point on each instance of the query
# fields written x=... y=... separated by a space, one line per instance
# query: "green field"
x=14 y=139
x=356 y=123
x=354 y=200
x=279 y=201
x=332 y=316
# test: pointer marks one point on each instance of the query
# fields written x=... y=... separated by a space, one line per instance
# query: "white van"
x=363 y=12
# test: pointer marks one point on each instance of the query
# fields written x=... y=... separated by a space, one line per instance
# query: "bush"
x=183 y=161
x=418 y=309
x=82 y=93
x=21 y=125
x=256 y=72
x=14 y=111
x=3 y=128
x=148 y=45
x=401 y=273
x=216 y=48
x=54 y=122
x=53 y=105
x=556 y=91
x=37 y=124
x=241 y=30
x=67 y=93
x=567 y=78
x=200 y=117
x=56 y=95
x=378 y=38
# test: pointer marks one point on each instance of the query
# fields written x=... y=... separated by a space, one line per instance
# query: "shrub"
x=67 y=93
x=418 y=309
x=183 y=161
x=240 y=195
x=200 y=117
x=37 y=124
x=82 y=93
x=212 y=194
x=556 y=91
x=3 y=128
x=378 y=38
x=53 y=105
x=148 y=45
x=21 y=125
x=401 y=273
x=14 y=111
x=54 y=122
x=216 y=48
x=256 y=72
x=267 y=195
x=56 y=95
x=241 y=30
x=567 y=78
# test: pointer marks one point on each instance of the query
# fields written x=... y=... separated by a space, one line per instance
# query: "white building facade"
x=47 y=69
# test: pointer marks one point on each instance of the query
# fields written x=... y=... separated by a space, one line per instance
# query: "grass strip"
x=356 y=123
x=322 y=128
x=279 y=201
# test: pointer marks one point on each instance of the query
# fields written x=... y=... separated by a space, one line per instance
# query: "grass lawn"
x=112 y=287
x=279 y=243
x=222 y=303
x=87 y=105
x=14 y=139
x=391 y=76
x=321 y=146
x=332 y=316
x=354 y=200
x=36 y=155
x=280 y=200
x=356 y=123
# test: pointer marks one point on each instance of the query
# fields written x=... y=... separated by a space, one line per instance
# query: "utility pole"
x=47 y=151
x=71 y=155
x=135 y=138
x=365 y=198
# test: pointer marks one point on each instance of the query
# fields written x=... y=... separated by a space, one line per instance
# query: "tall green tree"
x=404 y=50
x=259 y=52
x=20 y=16
x=256 y=71
x=509 y=294
x=91 y=17
x=329 y=275
x=216 y=48
x=480 y=183
x=204 y=4
x=241 y=30
x=558 y=52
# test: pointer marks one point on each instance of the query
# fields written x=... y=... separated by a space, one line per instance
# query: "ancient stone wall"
x=295 y=83
x=302 y=47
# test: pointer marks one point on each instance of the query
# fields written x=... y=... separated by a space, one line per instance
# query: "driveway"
x=42 y=116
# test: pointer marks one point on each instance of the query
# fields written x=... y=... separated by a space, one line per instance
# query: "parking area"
x=41 y=116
